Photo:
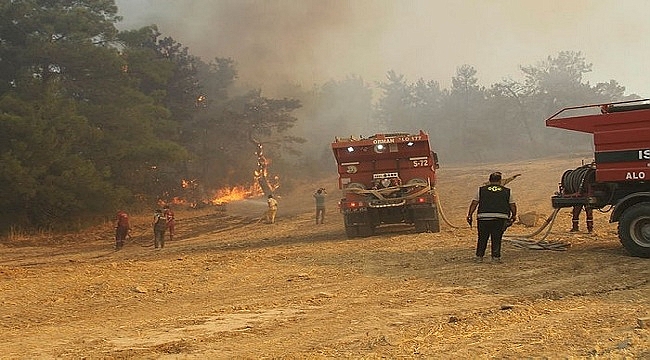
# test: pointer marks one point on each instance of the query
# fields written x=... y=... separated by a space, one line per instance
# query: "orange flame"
x=173 y=201
x=228 y=194
x=178 y=201
x=188 y=184
x=235 y=193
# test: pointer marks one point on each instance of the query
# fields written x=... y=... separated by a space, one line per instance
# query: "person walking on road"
x=272 y=210
x=496 y=211
x=319 y=196
x=122 y=228
x=159 y=227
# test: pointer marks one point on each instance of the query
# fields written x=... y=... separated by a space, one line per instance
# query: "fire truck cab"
x=387 y=179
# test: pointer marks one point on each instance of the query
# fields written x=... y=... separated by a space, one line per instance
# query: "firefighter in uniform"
x=122 y=228
x=272 y=210
x=171 y=221
x=576 y=218
x=496 y=211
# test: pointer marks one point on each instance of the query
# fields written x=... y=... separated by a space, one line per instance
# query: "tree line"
x=468 y=122
x=93 y=119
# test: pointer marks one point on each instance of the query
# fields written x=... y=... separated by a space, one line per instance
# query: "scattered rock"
x=506 y=306
x=529 y=219
x=140 y=289
x=624 y=344
x=644 y=323
x=453 y=319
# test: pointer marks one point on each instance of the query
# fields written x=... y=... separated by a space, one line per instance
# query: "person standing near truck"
x=496 y=211
x=575 y=220
x=319 y=197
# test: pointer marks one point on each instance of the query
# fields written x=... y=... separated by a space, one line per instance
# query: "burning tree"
x=231 y=128
x=261 y=173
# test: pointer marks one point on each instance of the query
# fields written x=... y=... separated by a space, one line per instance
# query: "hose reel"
x=575 y=181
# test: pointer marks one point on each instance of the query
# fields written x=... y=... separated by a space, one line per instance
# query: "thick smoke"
x=312 y=41
x=286 y=41
x=280 y=43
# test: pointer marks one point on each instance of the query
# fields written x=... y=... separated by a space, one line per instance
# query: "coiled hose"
x=574 y=181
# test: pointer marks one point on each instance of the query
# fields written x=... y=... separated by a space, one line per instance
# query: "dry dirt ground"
x=231 y=287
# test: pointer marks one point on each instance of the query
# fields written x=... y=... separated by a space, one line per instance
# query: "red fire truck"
x=619 y=178
x=387 y=179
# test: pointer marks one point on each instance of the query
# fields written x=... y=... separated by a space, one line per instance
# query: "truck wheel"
x=351 y=231
x=422 y=226
x=365 y=230
x=634 y=230
x=434 y=226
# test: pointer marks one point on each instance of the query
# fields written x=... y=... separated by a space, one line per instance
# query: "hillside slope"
x=230 y=286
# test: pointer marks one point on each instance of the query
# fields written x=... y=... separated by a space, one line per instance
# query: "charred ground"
x=231 y=286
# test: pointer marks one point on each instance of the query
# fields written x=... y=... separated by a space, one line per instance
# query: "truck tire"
x=351 y=231
x=365 y=230
x=634 y=230
x=429 y=224
x=434 y=226
x=422 y=226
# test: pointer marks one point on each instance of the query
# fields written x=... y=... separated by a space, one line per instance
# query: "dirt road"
x=232 y=287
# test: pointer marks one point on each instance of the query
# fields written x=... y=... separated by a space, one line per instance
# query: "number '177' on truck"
x=387 y=179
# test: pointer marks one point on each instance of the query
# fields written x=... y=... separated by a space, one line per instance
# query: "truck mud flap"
x=358 y=224
x=425 y=218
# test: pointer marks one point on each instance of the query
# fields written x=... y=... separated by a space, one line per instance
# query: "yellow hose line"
x=548 y=222
x=379 y=193
x=441 y=212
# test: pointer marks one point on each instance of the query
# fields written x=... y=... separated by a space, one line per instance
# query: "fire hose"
x=441 y=212
x=524 y=240
x=573 y=181
x=384 y=194
x=138 y=238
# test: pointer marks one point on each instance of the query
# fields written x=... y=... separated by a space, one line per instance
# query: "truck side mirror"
x=434 y=155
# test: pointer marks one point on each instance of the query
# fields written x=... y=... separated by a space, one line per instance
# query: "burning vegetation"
x=194 y=196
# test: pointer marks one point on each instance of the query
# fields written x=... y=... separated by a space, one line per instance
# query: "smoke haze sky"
x=313 y=41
